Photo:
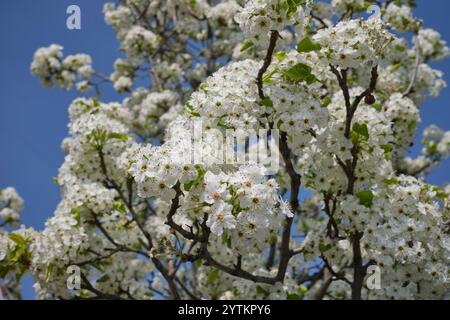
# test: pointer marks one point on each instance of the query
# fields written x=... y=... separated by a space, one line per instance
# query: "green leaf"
x=307 y=45
x=103 y=278
x=188 y=185
x=302 y=289
x=391 y=182
x=48 y=272
x=247 y=45
x=203 y=86
x=201 y=172
x=387 y=148
x=97 y=137
x=212 y=276
x=377 y=106
x=300 y=72
x=326 y=102
x=292 y=6
x=20 y=251
x=18 y=239
x=190 y=109
x=75 y=212
x=191 y=184
x=95 y=102
x=262 y=291
x=226 y=239
x=324 y=247
x=267 y=102
x=440 y=194
x=293 y=296
x=365 y=198
x=361 y=130
x=4 y=269
x=412 y=125
x=198 y=263
x=221 y=123
x=119 y=136
x=120 y=206
x=280 y=55
x=267 y=77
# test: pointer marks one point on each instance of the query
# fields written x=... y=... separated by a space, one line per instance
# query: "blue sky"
x=33 y=120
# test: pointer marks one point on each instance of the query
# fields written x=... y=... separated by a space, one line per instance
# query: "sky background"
x=33 y=119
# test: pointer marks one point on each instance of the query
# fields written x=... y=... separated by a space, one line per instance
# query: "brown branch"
x=128 y=202
x=267 y=61
x=173 y=209
x=326 y=282
x=173 y=288
x=185 y=289
x=271 y=258
x=285 y=251
x=158 y=264
x=97 y=259
x=359 y=271
x=324 y=24
x=119 y=247
x=338 y=275
x=99 y=295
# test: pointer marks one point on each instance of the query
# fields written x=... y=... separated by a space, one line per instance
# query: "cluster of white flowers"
x=50 y=67
x=124 y=274
x=296 y=102
x=14 y=255
x=224 y=12
x=405 y=233
x=123 y=75
x=431 y=45
x=60 y=242
x=11 y=204
x=405 y=117
x=342 y=6
x=120 y=17
x=241 y=199
x=354 y=42
x=398 y=222
x=149 y=111
x=259 y=17
x=230 y=97
x=152 y=198
x=400 y=17
x=320 y=155
x=436 y=142
x=139 y=42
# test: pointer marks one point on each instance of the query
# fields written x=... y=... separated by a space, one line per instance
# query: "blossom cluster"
x=151 y=210
x=50 y=67
x=354 y=42
x=259 y=17
x=11 y=204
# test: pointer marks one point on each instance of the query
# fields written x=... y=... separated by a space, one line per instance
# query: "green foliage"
x=360 y=132
x=299 y=73
x=188 y=186
x=308 y=45
x=246 y=45
x=212 y=276
x=365 y=198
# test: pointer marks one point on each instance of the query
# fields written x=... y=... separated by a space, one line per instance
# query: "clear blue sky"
x=33 y=120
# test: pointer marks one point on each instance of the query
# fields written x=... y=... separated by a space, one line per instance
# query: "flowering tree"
x=141 y=220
